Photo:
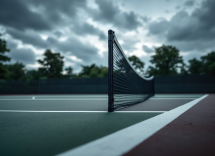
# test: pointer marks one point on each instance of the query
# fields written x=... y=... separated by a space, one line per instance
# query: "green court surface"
x=53 y=133
x=53 y=124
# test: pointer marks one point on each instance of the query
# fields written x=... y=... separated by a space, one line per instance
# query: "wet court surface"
x=27 y=129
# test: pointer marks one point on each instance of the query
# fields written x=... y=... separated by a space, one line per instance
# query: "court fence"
x=163 y=84
x=55 y=86
x=185 y=84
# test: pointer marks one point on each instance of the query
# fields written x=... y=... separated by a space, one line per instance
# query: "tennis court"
x=130 y=119
x=55 y=124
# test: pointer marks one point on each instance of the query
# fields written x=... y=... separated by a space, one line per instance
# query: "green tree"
x=32 y=75
x=166 y=61
x=184 y=69
x=69 y=72
x=52 y=64
x=208 y=63
x=194 y=66
x=99 y=72
x=4 y=73
x=136 y=62
x=85 y=72
x=16 y=71
x=93 y=71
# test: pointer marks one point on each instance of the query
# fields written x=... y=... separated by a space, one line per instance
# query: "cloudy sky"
x=78 y=28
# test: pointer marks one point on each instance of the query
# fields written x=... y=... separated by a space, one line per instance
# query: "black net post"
x=110 y=71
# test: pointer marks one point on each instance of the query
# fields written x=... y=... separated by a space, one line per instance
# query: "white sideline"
x=171 y=98
x=34 y=98
x=124 y=140
x=51 y=99
x=31 y=111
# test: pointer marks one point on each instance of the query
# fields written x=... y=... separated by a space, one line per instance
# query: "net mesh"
x=129 y=88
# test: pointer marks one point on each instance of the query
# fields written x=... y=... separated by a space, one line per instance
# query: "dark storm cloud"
x=145 y=19
x=158 y=27
x=178 y=7
x=83 y=51
x=58 y=34
x=54 y=10
x=197 y=46
x=109 y=13
x=37 y=14
x=197 y=29
x=189 y=3
x=147 y=49
x=87 y=29
x=17 y=15
x=128 y=47
x=57 y=6
x=26 y=20
x=24 y=55
x=205 y=15
x=129 y=43
x=12 y=45
x=192 y=55
x=70 y=46
x=31 y=38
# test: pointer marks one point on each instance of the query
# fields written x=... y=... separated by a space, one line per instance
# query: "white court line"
x=75 y=96
x=122 y=141
x=31 y=111
x=171 y=98
x=52 y=99
x=139 y=112
x=34 y=98
x=59 y=96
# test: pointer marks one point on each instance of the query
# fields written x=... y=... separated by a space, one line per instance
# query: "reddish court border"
x=192 y=133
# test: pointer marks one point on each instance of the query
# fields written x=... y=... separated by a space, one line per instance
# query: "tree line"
x=166 y=61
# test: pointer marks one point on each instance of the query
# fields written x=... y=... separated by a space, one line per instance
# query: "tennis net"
x=125 y=86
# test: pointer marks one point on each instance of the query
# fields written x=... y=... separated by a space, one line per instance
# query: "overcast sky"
x=78 y=29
